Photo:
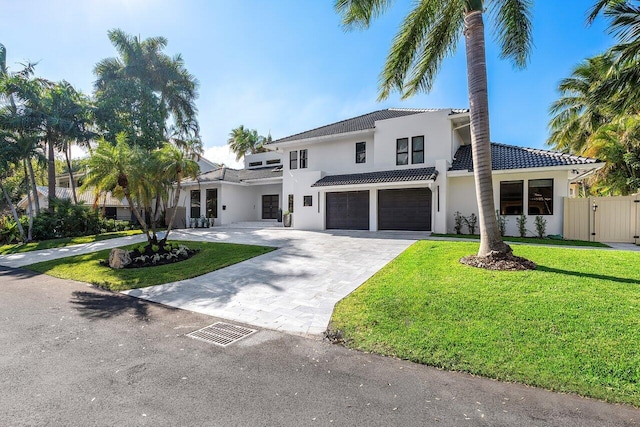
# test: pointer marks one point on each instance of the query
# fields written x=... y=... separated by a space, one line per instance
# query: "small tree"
x=472 y=221
x=502 y=223
x=459 y=221
x=522 y=225
x=541 y=226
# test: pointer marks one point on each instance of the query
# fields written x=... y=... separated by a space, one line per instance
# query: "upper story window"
x=293 y=160
x=417 y=149
x=540 y=197
x=252 y=164
x=402 y=151
x=303 y=159
x=511 y=197
x=273 y=162
x=361 y=152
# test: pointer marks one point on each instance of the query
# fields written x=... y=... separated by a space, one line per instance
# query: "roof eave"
x=323 y=138
x=596 y=165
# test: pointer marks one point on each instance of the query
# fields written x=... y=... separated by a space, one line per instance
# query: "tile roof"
x=363 y=122
x=87 y=197
x=505 y=157
x=396 y=175
x=239 y=175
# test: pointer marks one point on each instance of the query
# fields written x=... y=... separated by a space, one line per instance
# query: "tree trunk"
x=176 y=200
x=16 y=218
x=29 y=200
x=51 y=173
x=490 y=239
x=35 y=188
x=143 y=224
x=67 y=154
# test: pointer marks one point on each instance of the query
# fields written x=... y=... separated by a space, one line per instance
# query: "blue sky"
x=286 y=66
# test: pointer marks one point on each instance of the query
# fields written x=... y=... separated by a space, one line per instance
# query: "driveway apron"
x=291 y=289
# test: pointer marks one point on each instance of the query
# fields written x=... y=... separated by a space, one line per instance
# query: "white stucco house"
x=393 y=169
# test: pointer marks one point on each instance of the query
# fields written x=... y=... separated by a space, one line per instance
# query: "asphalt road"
x=73 y=355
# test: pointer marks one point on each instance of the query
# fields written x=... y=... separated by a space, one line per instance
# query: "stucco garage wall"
x=462 y=198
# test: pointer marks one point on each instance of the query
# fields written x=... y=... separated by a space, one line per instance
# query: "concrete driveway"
x=291 y=289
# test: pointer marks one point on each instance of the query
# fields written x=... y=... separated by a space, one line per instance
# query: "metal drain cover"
x=222 y=334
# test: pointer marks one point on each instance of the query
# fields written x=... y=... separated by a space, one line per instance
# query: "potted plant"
x=286 y=218
x=211 y=221
x=192 y=223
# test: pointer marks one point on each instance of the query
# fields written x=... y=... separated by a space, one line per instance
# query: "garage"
x=404 y=209
x=348 y=210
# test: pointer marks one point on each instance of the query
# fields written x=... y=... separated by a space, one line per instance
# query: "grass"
x=530 y=240
x=59 y=243
x=571 y=325
x=87 y=268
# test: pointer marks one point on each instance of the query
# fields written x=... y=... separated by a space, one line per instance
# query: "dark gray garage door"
x=348 y=210
x=404 y=209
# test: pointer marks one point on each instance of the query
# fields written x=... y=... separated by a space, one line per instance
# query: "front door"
x=270 y=206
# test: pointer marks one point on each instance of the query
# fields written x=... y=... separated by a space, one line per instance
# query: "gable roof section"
x=504 y=157
x=397 y=175
x=359 y=123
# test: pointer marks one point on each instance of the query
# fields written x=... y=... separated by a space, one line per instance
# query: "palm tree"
x=243 y=140
x=117 y=168
x=579 y=111
x=144 y=88
x=177 y=165
x=8 y=155
x=429 y=33
x=618 y=144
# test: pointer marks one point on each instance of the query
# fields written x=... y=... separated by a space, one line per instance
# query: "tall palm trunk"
x=490 y=238
x=176 y=200
x=141 y=221
x=14 y=213
x=32 y=176
x=67 y=154
x=51 y=172
x=29 y=200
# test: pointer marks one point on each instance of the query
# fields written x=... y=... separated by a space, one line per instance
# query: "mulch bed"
x=507 y=262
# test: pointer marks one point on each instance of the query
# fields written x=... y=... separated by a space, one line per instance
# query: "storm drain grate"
x=222 y=334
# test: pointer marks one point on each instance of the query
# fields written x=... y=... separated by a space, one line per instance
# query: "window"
x=511 y=197
x=540 y=197
x=293 y=160
x=212 y=202
x=251 y=164
x=195 y=204
x=361 y=152
x=402 y=151
x=417 y=149
x=111 y=212
x=307 y=201
x=290 y=203
x=303 y=159
x=273 y=162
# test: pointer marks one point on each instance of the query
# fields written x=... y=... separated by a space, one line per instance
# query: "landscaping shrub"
x=472 y=221
x=541 y=226
x=522 y=225
x=502 y=223
x=69 y=220
x=459 y=220
x=8 y=230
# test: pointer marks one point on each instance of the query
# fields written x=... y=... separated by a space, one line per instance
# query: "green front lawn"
x=529 y=240
x=87 y=268
x=60 y=243
x=571 y=325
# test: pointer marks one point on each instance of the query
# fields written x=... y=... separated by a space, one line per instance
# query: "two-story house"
x=412 y=169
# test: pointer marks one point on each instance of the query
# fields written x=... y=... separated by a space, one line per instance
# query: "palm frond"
x=359 y=13
x=513 y=28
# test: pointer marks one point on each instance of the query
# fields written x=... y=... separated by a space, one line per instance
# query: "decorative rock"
x=119 y=258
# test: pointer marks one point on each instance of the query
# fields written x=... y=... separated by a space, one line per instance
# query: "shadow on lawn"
x=98 y=305
x=590 y=275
